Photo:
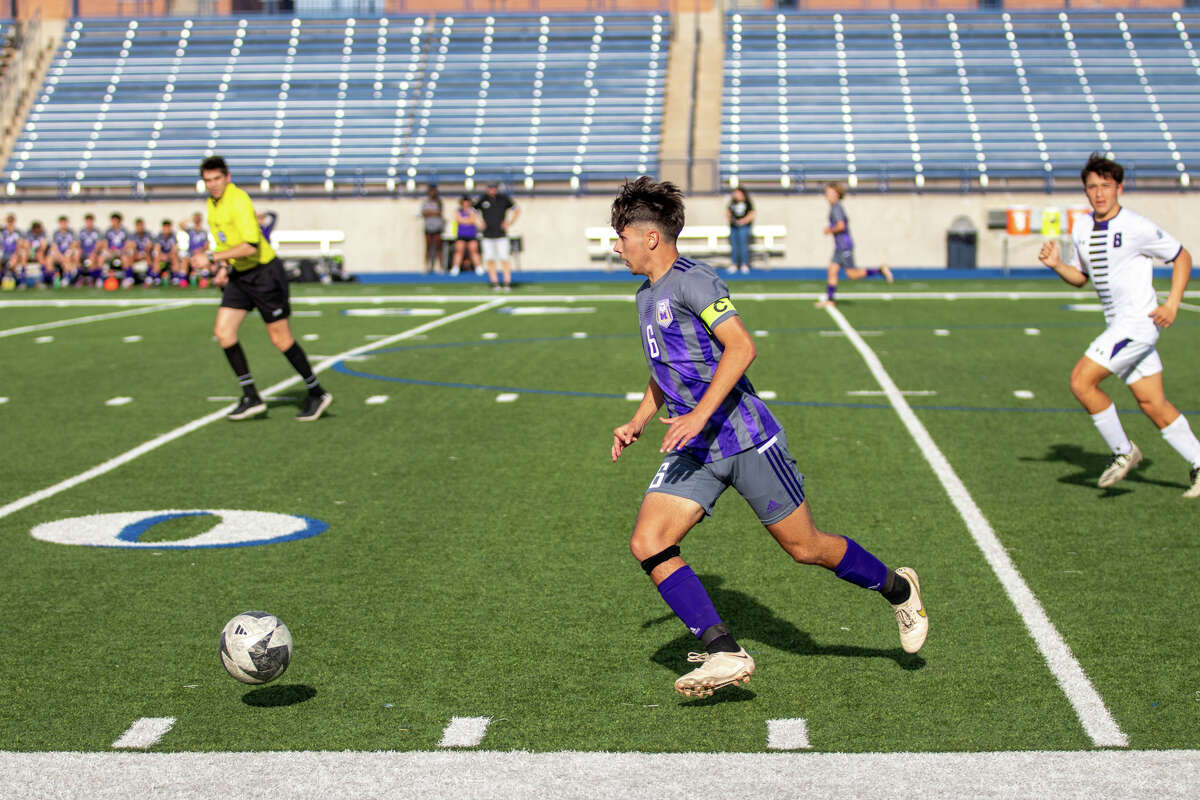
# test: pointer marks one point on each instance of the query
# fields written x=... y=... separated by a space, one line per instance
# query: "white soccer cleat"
x=1194 y=477
x=715 y=671
x=1120 y=466
x=910 y=615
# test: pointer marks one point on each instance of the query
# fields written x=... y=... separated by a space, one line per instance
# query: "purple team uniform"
x=197 y=240
x=683 y=354
x=89 y=238
x=9 y=241
x=63 y=240
x=843 y=245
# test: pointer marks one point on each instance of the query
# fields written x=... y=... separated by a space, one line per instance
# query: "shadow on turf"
x=1090 y=466
x=760 y=623
x=276 y=696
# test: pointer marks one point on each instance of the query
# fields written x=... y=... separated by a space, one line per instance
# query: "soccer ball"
x=256 y=647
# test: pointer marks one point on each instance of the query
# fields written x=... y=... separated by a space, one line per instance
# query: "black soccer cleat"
x=247 y=408
x=314 y=407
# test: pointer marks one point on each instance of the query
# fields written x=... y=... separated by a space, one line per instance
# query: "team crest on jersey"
x=664 y=313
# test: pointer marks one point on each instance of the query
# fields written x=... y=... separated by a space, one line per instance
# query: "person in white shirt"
x=1115 y=247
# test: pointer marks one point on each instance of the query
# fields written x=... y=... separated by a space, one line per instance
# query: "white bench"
x=701 y=241
x=318 y=244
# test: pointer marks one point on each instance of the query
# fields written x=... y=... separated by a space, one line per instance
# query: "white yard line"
x=196 y=424
x=1189 y=307
x=1098 y=723
x=144 y=733
x=465 y=731
x=787 y=734
x=63 y=323
x=489 y=775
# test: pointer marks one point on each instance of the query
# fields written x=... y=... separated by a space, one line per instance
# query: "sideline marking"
x=62 y=323
x=196 y=424
x=941 y=332
x=507 y=397
x=3 y=400
x=118 y=401
x=765 y=394
x=1032 y=332
x=1097 y=722
x=1189 y=307
x=1023 y=394
x=479 y=774
x=787 y=734
x=637 y=396
x=377 y=399
x=465 y=731
x=131 y=339
x=879 y=393
x=44 y=339
x=144 y=733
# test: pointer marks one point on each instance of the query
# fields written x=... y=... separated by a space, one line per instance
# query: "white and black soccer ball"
x=256 y=647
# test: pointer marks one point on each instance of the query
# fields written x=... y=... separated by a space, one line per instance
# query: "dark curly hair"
x=658 y=203
x=1104 y=167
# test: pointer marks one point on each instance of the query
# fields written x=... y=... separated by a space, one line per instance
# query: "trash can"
x=961 y=244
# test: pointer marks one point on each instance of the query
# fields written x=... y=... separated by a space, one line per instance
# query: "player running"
x=843 y=247
x=1115 y=247
x=251 y=277
x=719 y=434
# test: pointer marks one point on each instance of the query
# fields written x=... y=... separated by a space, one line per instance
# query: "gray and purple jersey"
x=841 y=241
x=676 y=316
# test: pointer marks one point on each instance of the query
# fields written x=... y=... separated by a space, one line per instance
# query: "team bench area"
x=698 y=241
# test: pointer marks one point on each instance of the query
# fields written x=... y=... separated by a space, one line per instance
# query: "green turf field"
x=475 y=562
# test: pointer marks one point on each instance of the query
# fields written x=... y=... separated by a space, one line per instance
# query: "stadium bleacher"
x=915 y=96
x=347 y=103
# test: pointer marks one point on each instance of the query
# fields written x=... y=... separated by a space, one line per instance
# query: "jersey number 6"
x=651 y=342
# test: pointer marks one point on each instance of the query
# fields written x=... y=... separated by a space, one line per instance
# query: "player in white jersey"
x=1115 y=247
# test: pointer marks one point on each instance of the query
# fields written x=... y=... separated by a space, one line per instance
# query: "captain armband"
x=716 y=310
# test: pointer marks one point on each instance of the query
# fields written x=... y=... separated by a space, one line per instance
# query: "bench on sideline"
x=318 y=244
x=699 y=241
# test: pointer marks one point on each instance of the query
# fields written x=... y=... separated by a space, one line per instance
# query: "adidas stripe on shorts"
x=766 y=476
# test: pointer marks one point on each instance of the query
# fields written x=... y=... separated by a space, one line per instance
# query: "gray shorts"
x=766 y=476
x=843 y=258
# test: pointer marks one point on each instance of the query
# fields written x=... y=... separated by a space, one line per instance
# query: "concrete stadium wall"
x=904 y=230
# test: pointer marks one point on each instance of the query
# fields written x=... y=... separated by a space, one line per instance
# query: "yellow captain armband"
x=715 y=311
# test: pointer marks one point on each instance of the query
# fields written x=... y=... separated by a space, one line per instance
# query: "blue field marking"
x=344 y=369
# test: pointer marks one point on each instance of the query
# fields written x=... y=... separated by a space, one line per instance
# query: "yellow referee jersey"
x=232 y=221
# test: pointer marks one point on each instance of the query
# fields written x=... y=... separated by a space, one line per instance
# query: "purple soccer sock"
x=686 y=596
x=860 y=567
x=871 y=273
x=830 y=291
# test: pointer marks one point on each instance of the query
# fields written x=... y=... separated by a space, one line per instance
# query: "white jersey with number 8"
x=1118 y=255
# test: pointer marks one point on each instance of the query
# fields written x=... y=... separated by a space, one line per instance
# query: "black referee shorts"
x=265 y=287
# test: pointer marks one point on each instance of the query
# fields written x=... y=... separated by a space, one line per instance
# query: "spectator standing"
x=740 y=215
x=431 y=217
x=494 y=207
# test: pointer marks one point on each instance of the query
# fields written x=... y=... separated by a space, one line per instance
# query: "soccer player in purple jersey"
x=719 y=434
x=165 y=262
x=91 y=267
x=64 y=251
x=143 y=249
x=843 y=247
x=196 y=259
x=11 y=249
x=36 y=246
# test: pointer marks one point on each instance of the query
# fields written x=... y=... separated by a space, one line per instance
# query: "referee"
x=251 y=277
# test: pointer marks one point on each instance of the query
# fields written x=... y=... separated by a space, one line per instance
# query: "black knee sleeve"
x=666 y=555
